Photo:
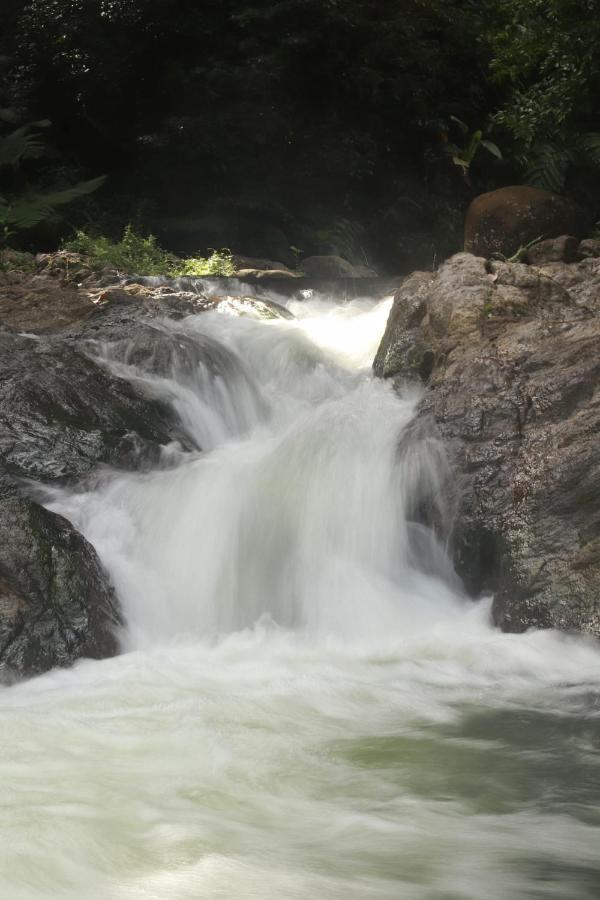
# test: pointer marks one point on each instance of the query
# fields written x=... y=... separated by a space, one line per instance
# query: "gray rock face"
x=513 y=390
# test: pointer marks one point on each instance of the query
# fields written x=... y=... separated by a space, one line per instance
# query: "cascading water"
x=308 y=706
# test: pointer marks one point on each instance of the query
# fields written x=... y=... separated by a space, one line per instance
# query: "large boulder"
x=513 y=391
x=502 y=222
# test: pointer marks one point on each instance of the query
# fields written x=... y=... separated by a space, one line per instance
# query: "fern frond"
x=22 y=144
x=548 y=167
x=590 y=147
x=27 y=212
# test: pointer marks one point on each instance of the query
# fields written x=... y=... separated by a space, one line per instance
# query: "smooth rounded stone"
x=504 y=221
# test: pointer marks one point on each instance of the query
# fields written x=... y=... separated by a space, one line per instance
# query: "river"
x=307 y=707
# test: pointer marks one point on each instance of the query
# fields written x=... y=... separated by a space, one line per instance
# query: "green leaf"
x=473 y=145
x=29 y=212
x=464 y=128
x=492 y=148
x=462 y=163
x=20 y=144
x=548 y=167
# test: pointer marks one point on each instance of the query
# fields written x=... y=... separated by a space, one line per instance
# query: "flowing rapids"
x=307 y=706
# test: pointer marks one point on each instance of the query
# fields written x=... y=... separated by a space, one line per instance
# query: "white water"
x=308 y=706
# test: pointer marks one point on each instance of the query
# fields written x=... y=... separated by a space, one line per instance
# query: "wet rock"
x=41 y=303
x=402 y=351
x=62 y=414
x=254 y=307
x=560 y=249
x=56 y=604
x=502 y=222
x=513 y=391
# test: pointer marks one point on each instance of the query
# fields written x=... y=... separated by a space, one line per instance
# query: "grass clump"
x=135 y=254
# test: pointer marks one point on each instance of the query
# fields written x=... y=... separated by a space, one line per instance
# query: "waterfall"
x=296 y=509
x=307 y=705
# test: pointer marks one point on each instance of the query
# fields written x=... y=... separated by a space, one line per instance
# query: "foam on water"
x=309 y=707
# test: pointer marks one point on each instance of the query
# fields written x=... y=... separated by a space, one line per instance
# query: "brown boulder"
x=504 y=221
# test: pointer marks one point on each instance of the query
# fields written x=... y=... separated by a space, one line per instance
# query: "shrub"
x=220 y=262
x=135 y=254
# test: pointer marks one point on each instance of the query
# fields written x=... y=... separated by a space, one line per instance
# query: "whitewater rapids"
x=307 y=706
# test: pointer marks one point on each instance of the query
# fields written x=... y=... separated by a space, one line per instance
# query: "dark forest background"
x=359 y=127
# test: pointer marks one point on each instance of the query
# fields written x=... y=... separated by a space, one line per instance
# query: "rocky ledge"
x=509 y=355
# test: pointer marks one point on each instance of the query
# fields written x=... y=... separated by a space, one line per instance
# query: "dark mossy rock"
x=56 y=603
x=62 y=414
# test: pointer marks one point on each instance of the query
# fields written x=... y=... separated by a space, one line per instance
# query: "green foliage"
x=547 y=165
x=135 y=254
x=220 y=262
x=545 y=61
x=22 y=143
x=22 y=210
x=32 y=208
x=463 y=156
x=290 y=105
